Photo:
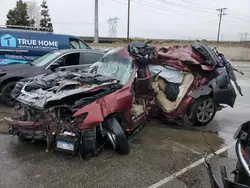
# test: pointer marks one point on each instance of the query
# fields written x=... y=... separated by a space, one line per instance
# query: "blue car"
x=21 y=46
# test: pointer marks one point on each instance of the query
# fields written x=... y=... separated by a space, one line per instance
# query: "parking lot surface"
x=157 y=152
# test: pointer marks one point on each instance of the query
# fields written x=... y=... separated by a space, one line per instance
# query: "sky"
x=158 y=19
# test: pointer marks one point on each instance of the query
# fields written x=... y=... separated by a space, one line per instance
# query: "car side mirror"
x=54 y=66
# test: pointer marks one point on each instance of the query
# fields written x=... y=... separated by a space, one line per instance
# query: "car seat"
x=159 y=86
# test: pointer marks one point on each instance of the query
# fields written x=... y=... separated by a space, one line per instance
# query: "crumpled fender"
x=94 y=114
x=204 y=90
x=115 y=102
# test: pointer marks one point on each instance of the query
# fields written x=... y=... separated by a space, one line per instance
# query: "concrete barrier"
x=236 y=53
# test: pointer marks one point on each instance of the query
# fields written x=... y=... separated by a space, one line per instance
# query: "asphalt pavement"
x=157 y=153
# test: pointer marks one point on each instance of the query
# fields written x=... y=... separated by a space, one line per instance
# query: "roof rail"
x=26 y=28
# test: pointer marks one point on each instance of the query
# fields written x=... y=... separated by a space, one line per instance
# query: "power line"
x=222 y=12
x=199 y=5
x=112 y=26
x=185 y=7
x=169 y=10
x=212 y=8
x=238 y=17
x=166 y=11
x=184 y=15
x=243 y=36
x=179 y=15
x=207 y=7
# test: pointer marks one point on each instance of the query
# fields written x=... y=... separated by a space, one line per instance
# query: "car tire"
x=6 y=93
x=116 y=136
x=202 y=111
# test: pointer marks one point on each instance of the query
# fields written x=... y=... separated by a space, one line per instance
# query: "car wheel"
x=116 y=136
x=6 y=93
x=202 y=111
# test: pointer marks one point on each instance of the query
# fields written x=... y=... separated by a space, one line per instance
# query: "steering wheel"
x=141 y=51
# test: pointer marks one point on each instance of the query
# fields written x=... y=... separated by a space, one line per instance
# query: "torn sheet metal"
x=39 y=91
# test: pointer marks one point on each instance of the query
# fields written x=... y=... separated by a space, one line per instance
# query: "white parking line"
x=4 y=136
x=182 y=171
x=195 y=152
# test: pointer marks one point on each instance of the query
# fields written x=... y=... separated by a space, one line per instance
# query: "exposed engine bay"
x=46 y=90
x=49 y=102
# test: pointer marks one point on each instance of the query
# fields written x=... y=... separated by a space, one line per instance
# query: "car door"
x=143 y=83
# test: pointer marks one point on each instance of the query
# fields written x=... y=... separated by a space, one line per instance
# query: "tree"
x=33 y=13
x=18 y=16
x=45 y=21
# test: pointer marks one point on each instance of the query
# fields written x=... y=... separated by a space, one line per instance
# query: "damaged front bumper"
x=27 y=129
x=62 y=135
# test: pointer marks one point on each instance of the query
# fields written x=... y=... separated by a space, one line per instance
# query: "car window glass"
x=114 y=66
x=82 y=45
x=90 y=57
x=61 y=61
x=45 y=59
x=70 y=60
x=74 y=43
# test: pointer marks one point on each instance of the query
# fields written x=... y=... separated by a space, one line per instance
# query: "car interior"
x=141 y=89
x=159 y=87
x=69 y=60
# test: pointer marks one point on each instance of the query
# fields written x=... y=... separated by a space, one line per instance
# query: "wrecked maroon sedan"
x=80 y=111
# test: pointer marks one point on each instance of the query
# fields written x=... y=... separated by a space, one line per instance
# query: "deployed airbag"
x=166 y=72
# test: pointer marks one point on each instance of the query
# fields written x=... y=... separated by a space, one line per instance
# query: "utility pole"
x=96 y=22
x=128 y=21
x=221 y=10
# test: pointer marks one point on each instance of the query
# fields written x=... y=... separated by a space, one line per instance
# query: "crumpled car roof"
x=181 y=56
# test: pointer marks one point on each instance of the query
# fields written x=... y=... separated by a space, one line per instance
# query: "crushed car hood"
x=60 y=88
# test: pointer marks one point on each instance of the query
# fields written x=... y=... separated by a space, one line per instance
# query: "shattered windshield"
x=114 y=65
